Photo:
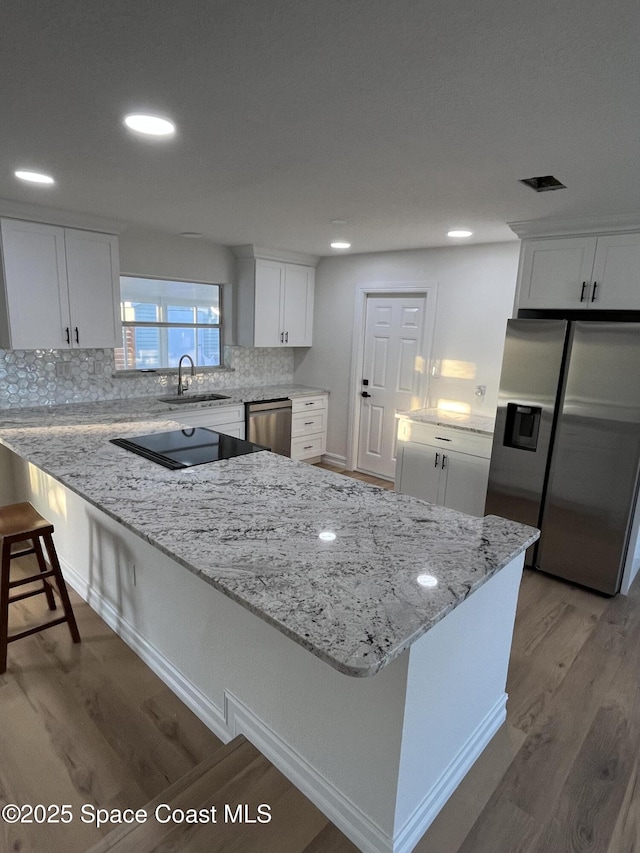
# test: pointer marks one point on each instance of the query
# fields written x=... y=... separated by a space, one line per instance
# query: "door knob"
x=365 y=394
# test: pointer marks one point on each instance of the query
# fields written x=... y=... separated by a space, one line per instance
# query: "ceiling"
x=403 y=117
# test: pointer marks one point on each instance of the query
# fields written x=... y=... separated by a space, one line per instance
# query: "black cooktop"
x=183 y=448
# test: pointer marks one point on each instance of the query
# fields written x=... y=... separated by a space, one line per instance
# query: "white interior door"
x=393 y=368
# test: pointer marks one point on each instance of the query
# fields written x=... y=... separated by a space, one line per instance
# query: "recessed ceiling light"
x=33 y=177
x=340 y=244
x=460 y=232
x=150 y=125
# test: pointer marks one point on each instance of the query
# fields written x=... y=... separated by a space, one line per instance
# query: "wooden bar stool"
x=21 y=523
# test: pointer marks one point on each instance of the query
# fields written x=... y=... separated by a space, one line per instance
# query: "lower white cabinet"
x=308 y=423
x=447 y=467
x=309 y=427
x=228 y=420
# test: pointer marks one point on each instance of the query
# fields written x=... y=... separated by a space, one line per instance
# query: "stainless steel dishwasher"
x=269 y=424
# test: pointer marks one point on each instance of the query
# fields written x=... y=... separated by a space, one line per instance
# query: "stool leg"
x=4 y=605
x=62 y=587
x=37 y=547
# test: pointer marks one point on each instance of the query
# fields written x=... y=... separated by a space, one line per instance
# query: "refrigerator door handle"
x=584 y=284
x=593 y=293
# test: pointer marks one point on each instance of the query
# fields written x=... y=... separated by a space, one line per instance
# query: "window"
x=163 y=320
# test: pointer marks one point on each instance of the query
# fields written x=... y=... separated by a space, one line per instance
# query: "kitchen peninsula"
x=258 y=587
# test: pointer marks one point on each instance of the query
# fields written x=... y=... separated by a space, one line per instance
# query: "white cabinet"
x=93 y=279
x=597 y=272
x=275 y=303
x=308 y=423
x=309 y=427
x=444 y=466
x=225 y=419
x=60 y=287
x=616 y=272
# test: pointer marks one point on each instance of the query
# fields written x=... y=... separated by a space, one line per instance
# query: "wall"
x=476 y=286
x=154 y=253
x=45 y=377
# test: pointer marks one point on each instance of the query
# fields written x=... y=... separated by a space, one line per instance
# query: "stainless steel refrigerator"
x=566 y=449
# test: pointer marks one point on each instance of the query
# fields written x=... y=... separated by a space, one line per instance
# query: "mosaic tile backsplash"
x=49 y=377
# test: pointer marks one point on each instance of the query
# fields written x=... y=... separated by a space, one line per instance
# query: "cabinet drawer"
x=449 y=438
x=307 y=423
x=209 y=415
x=307 y=404
x=304 y=448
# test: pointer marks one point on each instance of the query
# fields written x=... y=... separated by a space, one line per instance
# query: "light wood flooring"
x=92 y=724
x=357 y=475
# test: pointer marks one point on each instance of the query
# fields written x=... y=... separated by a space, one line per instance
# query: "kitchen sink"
x=193 y=398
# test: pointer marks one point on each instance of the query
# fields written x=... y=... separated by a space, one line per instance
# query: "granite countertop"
x=250 y=526
x=483 y=424
x=115 y=411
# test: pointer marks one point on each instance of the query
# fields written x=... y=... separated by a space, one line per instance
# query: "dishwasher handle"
x=268 y=405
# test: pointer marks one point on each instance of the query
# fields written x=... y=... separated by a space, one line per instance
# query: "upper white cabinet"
x=93 y=279
x=616 y=272
x=60 y=287
x=598 y=272
x=275 y=303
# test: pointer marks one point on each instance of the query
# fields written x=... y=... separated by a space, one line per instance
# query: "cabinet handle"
x=435 y=464
x=67 y=335
x=444 y=461
x=309 y=404
x=584 y=284
x=281 y=337
x=77 y=336
x=593 y=294
x=308 y=423
x=286 y=337
x=308 y=446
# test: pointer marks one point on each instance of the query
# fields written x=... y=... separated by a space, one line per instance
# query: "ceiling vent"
x=545 y=184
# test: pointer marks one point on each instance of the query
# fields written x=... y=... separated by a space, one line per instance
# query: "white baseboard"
x=362 y=831
x=375 y=474
x=334 y=459
x=236 y=718
x=426 y=812
x=212 y=716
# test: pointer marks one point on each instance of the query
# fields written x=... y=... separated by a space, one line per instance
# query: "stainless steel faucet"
x=183 y=384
